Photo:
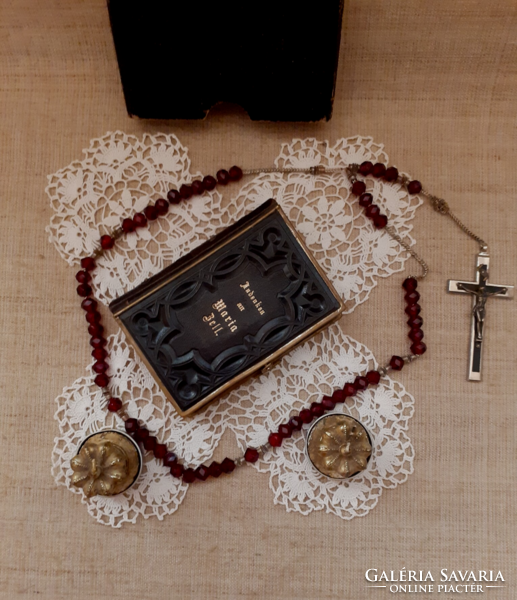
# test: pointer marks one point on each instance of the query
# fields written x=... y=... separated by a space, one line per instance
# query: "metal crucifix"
x=480 y=290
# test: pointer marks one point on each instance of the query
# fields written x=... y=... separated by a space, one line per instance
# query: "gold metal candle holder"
x=107 y=463
x=338 y=446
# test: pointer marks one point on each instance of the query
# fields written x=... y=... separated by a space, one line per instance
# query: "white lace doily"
x=118 y=176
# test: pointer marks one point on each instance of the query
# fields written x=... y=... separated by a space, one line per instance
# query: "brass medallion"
x=338 y=446
x=107 y=463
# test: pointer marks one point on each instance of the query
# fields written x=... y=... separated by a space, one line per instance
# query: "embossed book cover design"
x=225 y=310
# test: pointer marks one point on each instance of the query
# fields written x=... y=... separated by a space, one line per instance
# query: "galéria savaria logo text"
x=425 y=582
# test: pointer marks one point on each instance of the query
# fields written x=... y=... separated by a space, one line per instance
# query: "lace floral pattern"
x=117 y=176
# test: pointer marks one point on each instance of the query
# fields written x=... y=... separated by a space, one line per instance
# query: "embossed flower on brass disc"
x=338 y=446
x=107 y=464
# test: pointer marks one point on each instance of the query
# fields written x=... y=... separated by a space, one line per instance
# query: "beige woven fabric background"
x=436 y=82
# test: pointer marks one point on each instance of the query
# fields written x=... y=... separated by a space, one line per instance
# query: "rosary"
x=338 y=446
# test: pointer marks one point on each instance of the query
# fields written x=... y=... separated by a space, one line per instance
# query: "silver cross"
x=480 y=290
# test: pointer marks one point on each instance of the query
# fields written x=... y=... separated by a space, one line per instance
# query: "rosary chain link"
x=443 y=208
x=394 y=235
x=315 y=170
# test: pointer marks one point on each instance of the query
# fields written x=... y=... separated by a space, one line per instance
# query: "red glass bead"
x=349 y=389
x=99 y=353
x=95 y=329
x=338 y=396
x=418 y=348
x=373 y=377
x=285 y=430
x=84 y=290
x=251 y=455
x=380 y=221
x=140 y=220
x=97 y=342
x=102 y=380
x=391 y=174
x=412 y=297
x=150 y=443
x=410 y=284
x=378 y=170
x=365 y=200
x=189 y=475
x=328 y=403
x=416 y=335
x=107 y=242
x=306 y=416
x=151 y=212
x=114 y=404
x=186 y=191
x=173 y=196
x=317 y=409
x=88 y=263
x=131 y=425
x=162 y=206
x=92 y=317
x=372 y=211
x=296 y=423
x=223 y=177
x=209 y=182
x=227 y=466
x=142 y=434
x=89 y=304
x=396 y=363
x=414 y=187
x=160 y=450
x=415 y=322
x=275 y=439
x=358 y=188
x=360 y=383
x=366 y=168
x=215 y=469
x=197 y=188
x=235 y=173
x=170 y=459
x=128 y=226
x=413 y=310
x=177 y=470
x=83 y=276
x=100 y=366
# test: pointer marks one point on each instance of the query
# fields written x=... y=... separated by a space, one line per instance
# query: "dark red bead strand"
x=170 y=460
x=161 y=207
x=372 y=211
x=316 y=409
x=378 y=170
x=415 y=322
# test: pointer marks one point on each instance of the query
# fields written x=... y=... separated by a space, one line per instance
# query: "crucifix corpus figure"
x=480 y=290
